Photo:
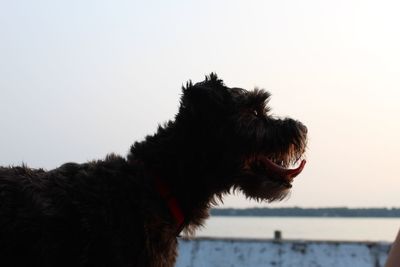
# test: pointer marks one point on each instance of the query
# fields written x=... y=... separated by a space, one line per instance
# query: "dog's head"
x=231 y=132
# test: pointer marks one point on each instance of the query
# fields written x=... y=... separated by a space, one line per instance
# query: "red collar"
x=172 y=203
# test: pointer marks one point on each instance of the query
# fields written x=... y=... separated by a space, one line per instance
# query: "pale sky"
x=80 y=79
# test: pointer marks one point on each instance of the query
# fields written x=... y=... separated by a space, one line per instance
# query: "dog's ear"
x=208 y=99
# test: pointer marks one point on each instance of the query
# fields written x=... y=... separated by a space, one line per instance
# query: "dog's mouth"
x=286 y=174
x=281 y=168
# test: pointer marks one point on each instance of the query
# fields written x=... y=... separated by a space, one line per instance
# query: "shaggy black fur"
x=108 y=212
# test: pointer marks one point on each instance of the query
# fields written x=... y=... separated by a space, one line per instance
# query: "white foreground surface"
x=209 y=252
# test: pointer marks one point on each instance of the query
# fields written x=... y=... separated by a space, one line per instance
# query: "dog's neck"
x=172 y=203
x=184 y=168
x=188 y=202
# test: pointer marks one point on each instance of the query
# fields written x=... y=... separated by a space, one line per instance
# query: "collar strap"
x=172 y=203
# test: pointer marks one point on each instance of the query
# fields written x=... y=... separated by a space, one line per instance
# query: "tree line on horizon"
x=309 y=212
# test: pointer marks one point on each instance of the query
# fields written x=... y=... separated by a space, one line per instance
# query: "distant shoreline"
x=310 y=212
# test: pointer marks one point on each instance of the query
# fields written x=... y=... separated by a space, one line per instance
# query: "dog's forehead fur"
x=212 y=92
x=225 y=113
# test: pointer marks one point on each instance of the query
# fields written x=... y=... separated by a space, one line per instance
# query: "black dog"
x=129 y=211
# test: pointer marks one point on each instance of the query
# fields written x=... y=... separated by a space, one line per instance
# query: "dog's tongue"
x=287 y=174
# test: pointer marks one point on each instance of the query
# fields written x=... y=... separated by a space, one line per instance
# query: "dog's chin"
x=267 y=190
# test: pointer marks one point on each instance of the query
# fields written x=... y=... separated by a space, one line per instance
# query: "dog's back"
x=75 y=215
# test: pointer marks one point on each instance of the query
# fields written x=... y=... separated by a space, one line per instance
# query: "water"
x=306 y=228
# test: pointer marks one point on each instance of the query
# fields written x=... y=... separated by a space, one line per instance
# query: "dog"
x=128 y=211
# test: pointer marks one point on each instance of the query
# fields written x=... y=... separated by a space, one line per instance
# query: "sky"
x=80 y=79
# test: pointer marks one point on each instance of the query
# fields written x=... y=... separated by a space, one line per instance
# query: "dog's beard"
x=268 y=178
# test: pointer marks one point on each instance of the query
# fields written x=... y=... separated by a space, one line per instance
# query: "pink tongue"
x=287 y=174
